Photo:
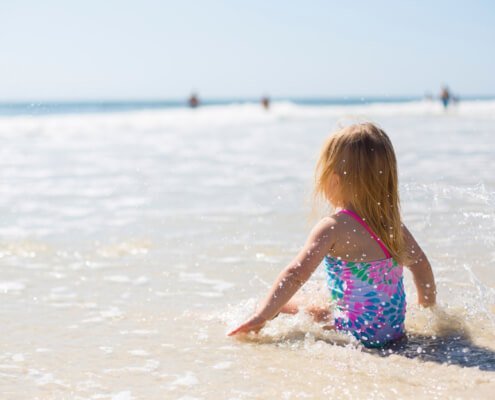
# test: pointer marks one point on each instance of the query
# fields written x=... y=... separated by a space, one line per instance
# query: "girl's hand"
x=253 y=324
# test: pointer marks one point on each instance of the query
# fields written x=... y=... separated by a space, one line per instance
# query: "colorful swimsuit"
x=369 y=297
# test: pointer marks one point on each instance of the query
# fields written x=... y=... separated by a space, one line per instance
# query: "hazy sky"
x=88 y=49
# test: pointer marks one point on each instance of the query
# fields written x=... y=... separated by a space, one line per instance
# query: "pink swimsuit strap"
x=370 y=231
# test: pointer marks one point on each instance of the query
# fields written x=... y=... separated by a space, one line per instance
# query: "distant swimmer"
x=445 y=96
x=265 y=102
x=193 y=100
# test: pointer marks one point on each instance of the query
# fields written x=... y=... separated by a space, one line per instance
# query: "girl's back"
x=365 y=283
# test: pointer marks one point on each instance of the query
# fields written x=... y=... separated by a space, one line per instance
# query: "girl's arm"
x=421 y=269
x=288 y=282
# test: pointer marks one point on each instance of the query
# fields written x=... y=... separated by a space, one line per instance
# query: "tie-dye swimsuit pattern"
x=369 y=298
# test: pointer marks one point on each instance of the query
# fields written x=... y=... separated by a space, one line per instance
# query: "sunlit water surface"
x=131 y=242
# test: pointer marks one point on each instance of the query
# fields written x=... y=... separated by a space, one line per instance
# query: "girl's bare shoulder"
x=324 y=229
x=340 y=222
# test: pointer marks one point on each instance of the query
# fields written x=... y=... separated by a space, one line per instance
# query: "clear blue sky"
x=106 y=49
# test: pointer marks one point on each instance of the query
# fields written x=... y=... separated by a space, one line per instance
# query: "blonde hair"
x=363 y=157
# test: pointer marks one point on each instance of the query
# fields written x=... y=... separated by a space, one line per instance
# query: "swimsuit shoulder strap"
x=367 y=227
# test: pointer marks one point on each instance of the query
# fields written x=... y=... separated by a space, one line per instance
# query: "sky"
x=151 y=49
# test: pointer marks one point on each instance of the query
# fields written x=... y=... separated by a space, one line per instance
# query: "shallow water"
x=131 y=242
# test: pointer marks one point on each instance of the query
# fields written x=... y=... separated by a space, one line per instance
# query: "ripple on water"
x=187 y=379
x=42 y=378
x=141 y=280
x=222 y=365
x=138 y=352
x=218 y=286
x=123 y=395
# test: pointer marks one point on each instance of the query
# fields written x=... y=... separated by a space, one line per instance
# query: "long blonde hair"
x=363 y=157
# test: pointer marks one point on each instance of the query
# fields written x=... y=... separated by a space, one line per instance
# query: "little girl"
x=364 y=244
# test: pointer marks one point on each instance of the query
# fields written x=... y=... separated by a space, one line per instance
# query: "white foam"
x=142 y=280
x=106 y=349
x=209 y=294
x=9 y=366
x=187 y=379
x=44 y=378
x=222 y=365
x=230 y=260
x=124 y=395
x=111 y=312
x=18 y=357
x=138 y=352
x=117 y=278
x=92 y=320
x=61 y=293
x=198 y=277
x=149 y=366
x=43 y=350
x=12 y=286
x=140 y=332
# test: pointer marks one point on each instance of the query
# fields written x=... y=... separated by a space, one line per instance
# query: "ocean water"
x=132 y=240
x=84 y=107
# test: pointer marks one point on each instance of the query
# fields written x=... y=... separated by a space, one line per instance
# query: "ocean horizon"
x=71 y=106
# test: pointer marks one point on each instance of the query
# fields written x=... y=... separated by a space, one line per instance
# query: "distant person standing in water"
x=193 y=100
x=265 y=102
x=445 y=96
